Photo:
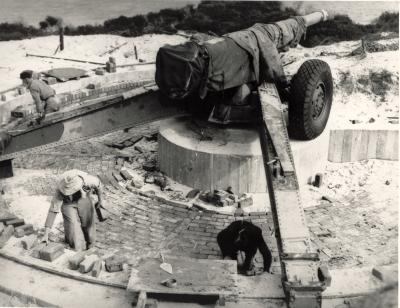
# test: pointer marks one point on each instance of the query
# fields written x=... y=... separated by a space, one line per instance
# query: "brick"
x=387 y=275
x=193 y=193
x=126 y=175
x=36 y=250
x=97 y=267
x=21 y=90
x=246 y=202
x=149 y=166
x=87 y=264
x=6 y=235
x=324 y=275
x=15 y=222
x=29 y=241
x=94 y=86
x=117 y=176
x=100 y=71
x=7 y=217
x=114 y=264
x=23 y=230
x=21 y=112
x=51 y=252
x=51 y=80
x=77 y=258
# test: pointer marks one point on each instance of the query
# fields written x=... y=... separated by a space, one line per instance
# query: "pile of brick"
x=223 y=198
x=87 y=261
x=84 y=261
x=12 y=225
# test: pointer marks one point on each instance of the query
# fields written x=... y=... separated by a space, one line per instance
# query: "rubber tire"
x=310 y=75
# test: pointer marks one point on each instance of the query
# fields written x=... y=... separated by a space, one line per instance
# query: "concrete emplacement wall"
x=233 y=156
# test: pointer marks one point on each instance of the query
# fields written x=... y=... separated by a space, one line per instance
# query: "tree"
x=43 y=25
x=52 y=21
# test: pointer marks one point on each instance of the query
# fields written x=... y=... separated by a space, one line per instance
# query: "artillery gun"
x=308 y=101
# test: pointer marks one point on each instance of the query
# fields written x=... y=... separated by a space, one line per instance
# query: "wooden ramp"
x=193 y=276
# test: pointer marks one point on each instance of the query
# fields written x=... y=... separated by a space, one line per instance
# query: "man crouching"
x=244 y=236
x=76 y=199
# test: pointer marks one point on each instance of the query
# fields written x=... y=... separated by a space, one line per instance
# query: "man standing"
x=76 y=199
x=42 y=94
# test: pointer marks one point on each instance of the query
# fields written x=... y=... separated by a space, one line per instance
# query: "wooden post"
x=61 y=29
x=136 y=55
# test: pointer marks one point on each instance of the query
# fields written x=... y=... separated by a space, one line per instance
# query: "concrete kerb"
x=363 y=284
x=26 y=297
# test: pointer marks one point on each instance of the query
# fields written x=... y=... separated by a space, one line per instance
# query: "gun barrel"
x=315 y=17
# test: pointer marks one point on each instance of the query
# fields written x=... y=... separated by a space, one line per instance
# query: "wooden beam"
x=66 y=59
x=135 y=64
x=113 y=49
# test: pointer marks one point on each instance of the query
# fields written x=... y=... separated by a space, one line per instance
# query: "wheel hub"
x=318 y=101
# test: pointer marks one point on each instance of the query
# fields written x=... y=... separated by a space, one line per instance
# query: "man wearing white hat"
x=76 y=199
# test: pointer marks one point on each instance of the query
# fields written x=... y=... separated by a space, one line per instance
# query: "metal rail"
x=299 y=261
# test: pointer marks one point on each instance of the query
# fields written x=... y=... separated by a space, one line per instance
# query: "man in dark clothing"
x=244 y=236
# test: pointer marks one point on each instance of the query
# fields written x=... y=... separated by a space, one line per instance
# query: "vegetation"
x=218 y=17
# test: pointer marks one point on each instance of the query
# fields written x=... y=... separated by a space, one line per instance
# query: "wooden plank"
x=346 y=150
x=356 y=145
x=389 y=149
x=335 y=146
x=363 y=149
x=381 y=144
x=372 y=144
x=194 y=276
x=395 y=150
x=65 y=59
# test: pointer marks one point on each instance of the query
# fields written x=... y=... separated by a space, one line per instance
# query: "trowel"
x=165 y=266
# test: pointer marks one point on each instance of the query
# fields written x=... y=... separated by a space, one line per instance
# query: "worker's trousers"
x=79 y=224
x=52 y=104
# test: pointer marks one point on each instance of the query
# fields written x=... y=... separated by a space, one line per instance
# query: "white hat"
x=70 y=183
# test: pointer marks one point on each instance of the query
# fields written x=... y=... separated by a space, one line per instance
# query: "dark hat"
x=26 y=74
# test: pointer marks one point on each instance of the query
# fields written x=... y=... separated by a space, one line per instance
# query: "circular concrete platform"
x=208 y=157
